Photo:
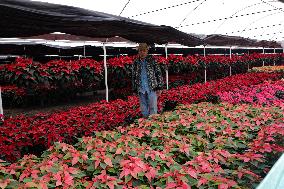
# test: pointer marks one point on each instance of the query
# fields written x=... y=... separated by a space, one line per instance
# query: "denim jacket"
x=154 y=75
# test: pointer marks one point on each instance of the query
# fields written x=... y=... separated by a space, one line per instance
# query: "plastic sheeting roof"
x=29 y=18
x=257 y=19
x=68 y=37
x=224 y=40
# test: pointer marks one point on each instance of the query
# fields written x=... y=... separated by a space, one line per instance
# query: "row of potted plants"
x=25 y=72
x=25 y=134
x=269 y=69
x=196 y=146
x=267 y=93
x=207 y=91
x=59 y=78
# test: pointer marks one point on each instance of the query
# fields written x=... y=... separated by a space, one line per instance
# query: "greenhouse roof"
x=220 y=23
x=257 y=19
x=22 y=18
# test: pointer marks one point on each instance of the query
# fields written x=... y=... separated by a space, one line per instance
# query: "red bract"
x=193 y=60
x=161 y=60
x=52 y=75
x=172 y=151
x=175 y=58
x=12 y=89
x=199 y=91
x=86 y=74
x=267 y=93
x=120 y=61
x=44 y=129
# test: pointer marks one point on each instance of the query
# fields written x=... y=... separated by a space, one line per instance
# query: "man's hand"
x=158 y=93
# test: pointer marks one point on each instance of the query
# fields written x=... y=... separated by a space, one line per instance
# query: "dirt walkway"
x=51 y=108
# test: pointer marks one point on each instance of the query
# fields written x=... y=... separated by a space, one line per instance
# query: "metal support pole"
x=248 y=62
x=1 y=107
x=263 y=60
x=230 y=58
x=205 y=71
x=167 y=72
x=105 y=66
x=274 y=51
x=25 y=52
x=205 y=75
x=59 y=54
x=84 y=50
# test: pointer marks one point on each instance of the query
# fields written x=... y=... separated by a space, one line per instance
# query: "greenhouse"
x=142 y=94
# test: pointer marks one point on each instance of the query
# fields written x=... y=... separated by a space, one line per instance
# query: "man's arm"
x=159 y=75
x=133 y=77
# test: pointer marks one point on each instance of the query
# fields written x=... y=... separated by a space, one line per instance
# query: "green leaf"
x=141 y=174
x=90 y=168
x=112 y=170
x=153 y=163
x=53 y=170
x=67 y=156
x=137 y=183
x=191 y=181
x=240 y=145
x=96 y=184
x=27 y=180
x=133 y=153
x=103 y=165
x=170 y=179
x=118 y=187
x=117 y=136
x=79 y=175
x=128 y=178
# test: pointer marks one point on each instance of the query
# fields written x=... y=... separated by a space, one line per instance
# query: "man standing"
x=147 y=80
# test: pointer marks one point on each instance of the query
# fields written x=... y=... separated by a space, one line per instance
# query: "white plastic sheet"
x=198 y=16
x=275 y=178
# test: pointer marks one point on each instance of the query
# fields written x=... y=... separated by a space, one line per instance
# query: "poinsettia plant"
x=267 y=93
x=196 y=146
x=62 y=78
x=11 y=94
x=268 y=69
x=204 y=91
x=21 y=134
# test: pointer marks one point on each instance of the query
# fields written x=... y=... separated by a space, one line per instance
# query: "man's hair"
x=143 y=46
